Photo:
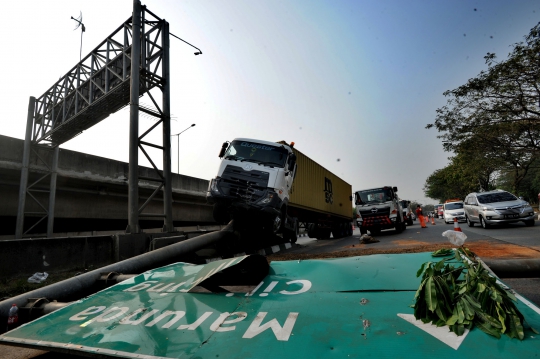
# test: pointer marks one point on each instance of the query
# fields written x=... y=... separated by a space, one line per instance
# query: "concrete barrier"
x=27 y=256
x=515 y=268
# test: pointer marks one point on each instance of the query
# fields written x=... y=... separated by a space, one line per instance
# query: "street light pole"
x=178 y=141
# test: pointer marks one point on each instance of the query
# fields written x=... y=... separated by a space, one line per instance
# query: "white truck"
x=378 y=209
x=254 y=186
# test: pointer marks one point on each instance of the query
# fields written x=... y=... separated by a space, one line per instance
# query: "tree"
x=498 y=112
x=529 y=186
x=467 y=172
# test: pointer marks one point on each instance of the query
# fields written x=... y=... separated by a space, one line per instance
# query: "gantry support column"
x=133 y=177
x=52 y=193
x=24 y=170
x=168 y=225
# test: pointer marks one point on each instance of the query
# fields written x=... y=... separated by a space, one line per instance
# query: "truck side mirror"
x=394 y=188
x=223 y=149
x=292 y=162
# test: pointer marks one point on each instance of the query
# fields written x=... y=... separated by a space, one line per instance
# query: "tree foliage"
x=492 y=122
x=467 y=172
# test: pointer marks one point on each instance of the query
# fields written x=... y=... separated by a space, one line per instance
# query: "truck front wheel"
x=399 y=227
x=337 y=231
x=220 y=214
x=291 y=235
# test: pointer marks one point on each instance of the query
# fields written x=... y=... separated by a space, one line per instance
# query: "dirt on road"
x=482 y=248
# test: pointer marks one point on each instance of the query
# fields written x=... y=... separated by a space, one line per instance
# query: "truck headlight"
x=268 y=198
x=213 y=186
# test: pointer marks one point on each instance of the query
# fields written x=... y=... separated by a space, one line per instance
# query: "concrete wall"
x=92 y=187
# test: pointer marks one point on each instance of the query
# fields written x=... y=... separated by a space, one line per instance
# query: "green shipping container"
x=318 y=193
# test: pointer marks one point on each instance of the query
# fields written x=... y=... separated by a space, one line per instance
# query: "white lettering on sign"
x=281 y=333
x=269 y=288
x=141 y=286
x=217 y=326
x=196 y=324
x=306 y=285
x=127 y=320
x=159 y=287
x=110 y=314
x=87 y=311
x=150 y=285
x=177 y=316
x=221 y=324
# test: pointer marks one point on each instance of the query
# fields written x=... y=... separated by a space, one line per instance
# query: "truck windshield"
x=256 y=152
x=376 y=195
x=404 y=204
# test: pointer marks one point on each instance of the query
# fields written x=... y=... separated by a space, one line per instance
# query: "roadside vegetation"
x=13 y=286
x=492 y=126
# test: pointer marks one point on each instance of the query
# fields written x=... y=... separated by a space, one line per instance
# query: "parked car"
x=488 y=208
x=453 y=210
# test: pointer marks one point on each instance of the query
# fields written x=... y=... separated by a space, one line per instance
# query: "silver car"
x=497 y=206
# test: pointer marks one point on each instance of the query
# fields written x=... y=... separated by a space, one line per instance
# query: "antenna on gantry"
x=83 y=29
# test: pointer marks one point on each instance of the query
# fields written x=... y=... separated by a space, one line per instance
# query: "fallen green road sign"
x=349 y=307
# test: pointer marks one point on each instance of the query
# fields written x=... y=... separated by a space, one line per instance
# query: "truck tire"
x=410 y=221
x=324 y=233
x=337 y=231
x=399 y=227
x=220 y=214
x=375 y=231
x=311 y=230
x=349 y=230
x=291 y=235
x=363 y=230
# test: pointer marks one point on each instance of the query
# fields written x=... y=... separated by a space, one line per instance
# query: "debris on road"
x=38 y=277
x=455 y=237
x=365 y=239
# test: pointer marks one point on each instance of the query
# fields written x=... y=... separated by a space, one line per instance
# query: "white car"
x=454 y=210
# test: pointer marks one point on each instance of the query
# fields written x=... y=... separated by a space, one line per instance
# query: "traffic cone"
x=456 y=225
x=432 y=220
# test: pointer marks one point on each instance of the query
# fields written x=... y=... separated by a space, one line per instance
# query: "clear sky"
x=352 y=83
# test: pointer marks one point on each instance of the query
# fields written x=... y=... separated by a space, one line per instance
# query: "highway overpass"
x=92 y=194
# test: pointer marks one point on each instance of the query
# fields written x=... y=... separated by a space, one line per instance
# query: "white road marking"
x=442 y=333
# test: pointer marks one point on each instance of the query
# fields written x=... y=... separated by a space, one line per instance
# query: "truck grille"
x=366 y=213
x=376 y=221
x=246 y=185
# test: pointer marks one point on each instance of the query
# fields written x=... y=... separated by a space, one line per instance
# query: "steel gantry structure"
x=129 y=63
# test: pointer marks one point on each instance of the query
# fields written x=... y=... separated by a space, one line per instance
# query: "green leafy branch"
x=465 y=295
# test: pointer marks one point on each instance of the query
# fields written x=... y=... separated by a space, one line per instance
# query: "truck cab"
x=378 y=209
x=253 y=183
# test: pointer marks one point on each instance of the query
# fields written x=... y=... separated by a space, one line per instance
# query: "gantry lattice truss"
x=99 y=85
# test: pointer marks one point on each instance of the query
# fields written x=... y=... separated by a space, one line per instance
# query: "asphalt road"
x=517 y=234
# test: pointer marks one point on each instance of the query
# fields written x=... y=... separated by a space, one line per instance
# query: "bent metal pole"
x=71 y=286
x=133 y=176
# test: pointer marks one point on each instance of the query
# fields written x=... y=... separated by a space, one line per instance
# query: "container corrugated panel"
x=316 y=188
